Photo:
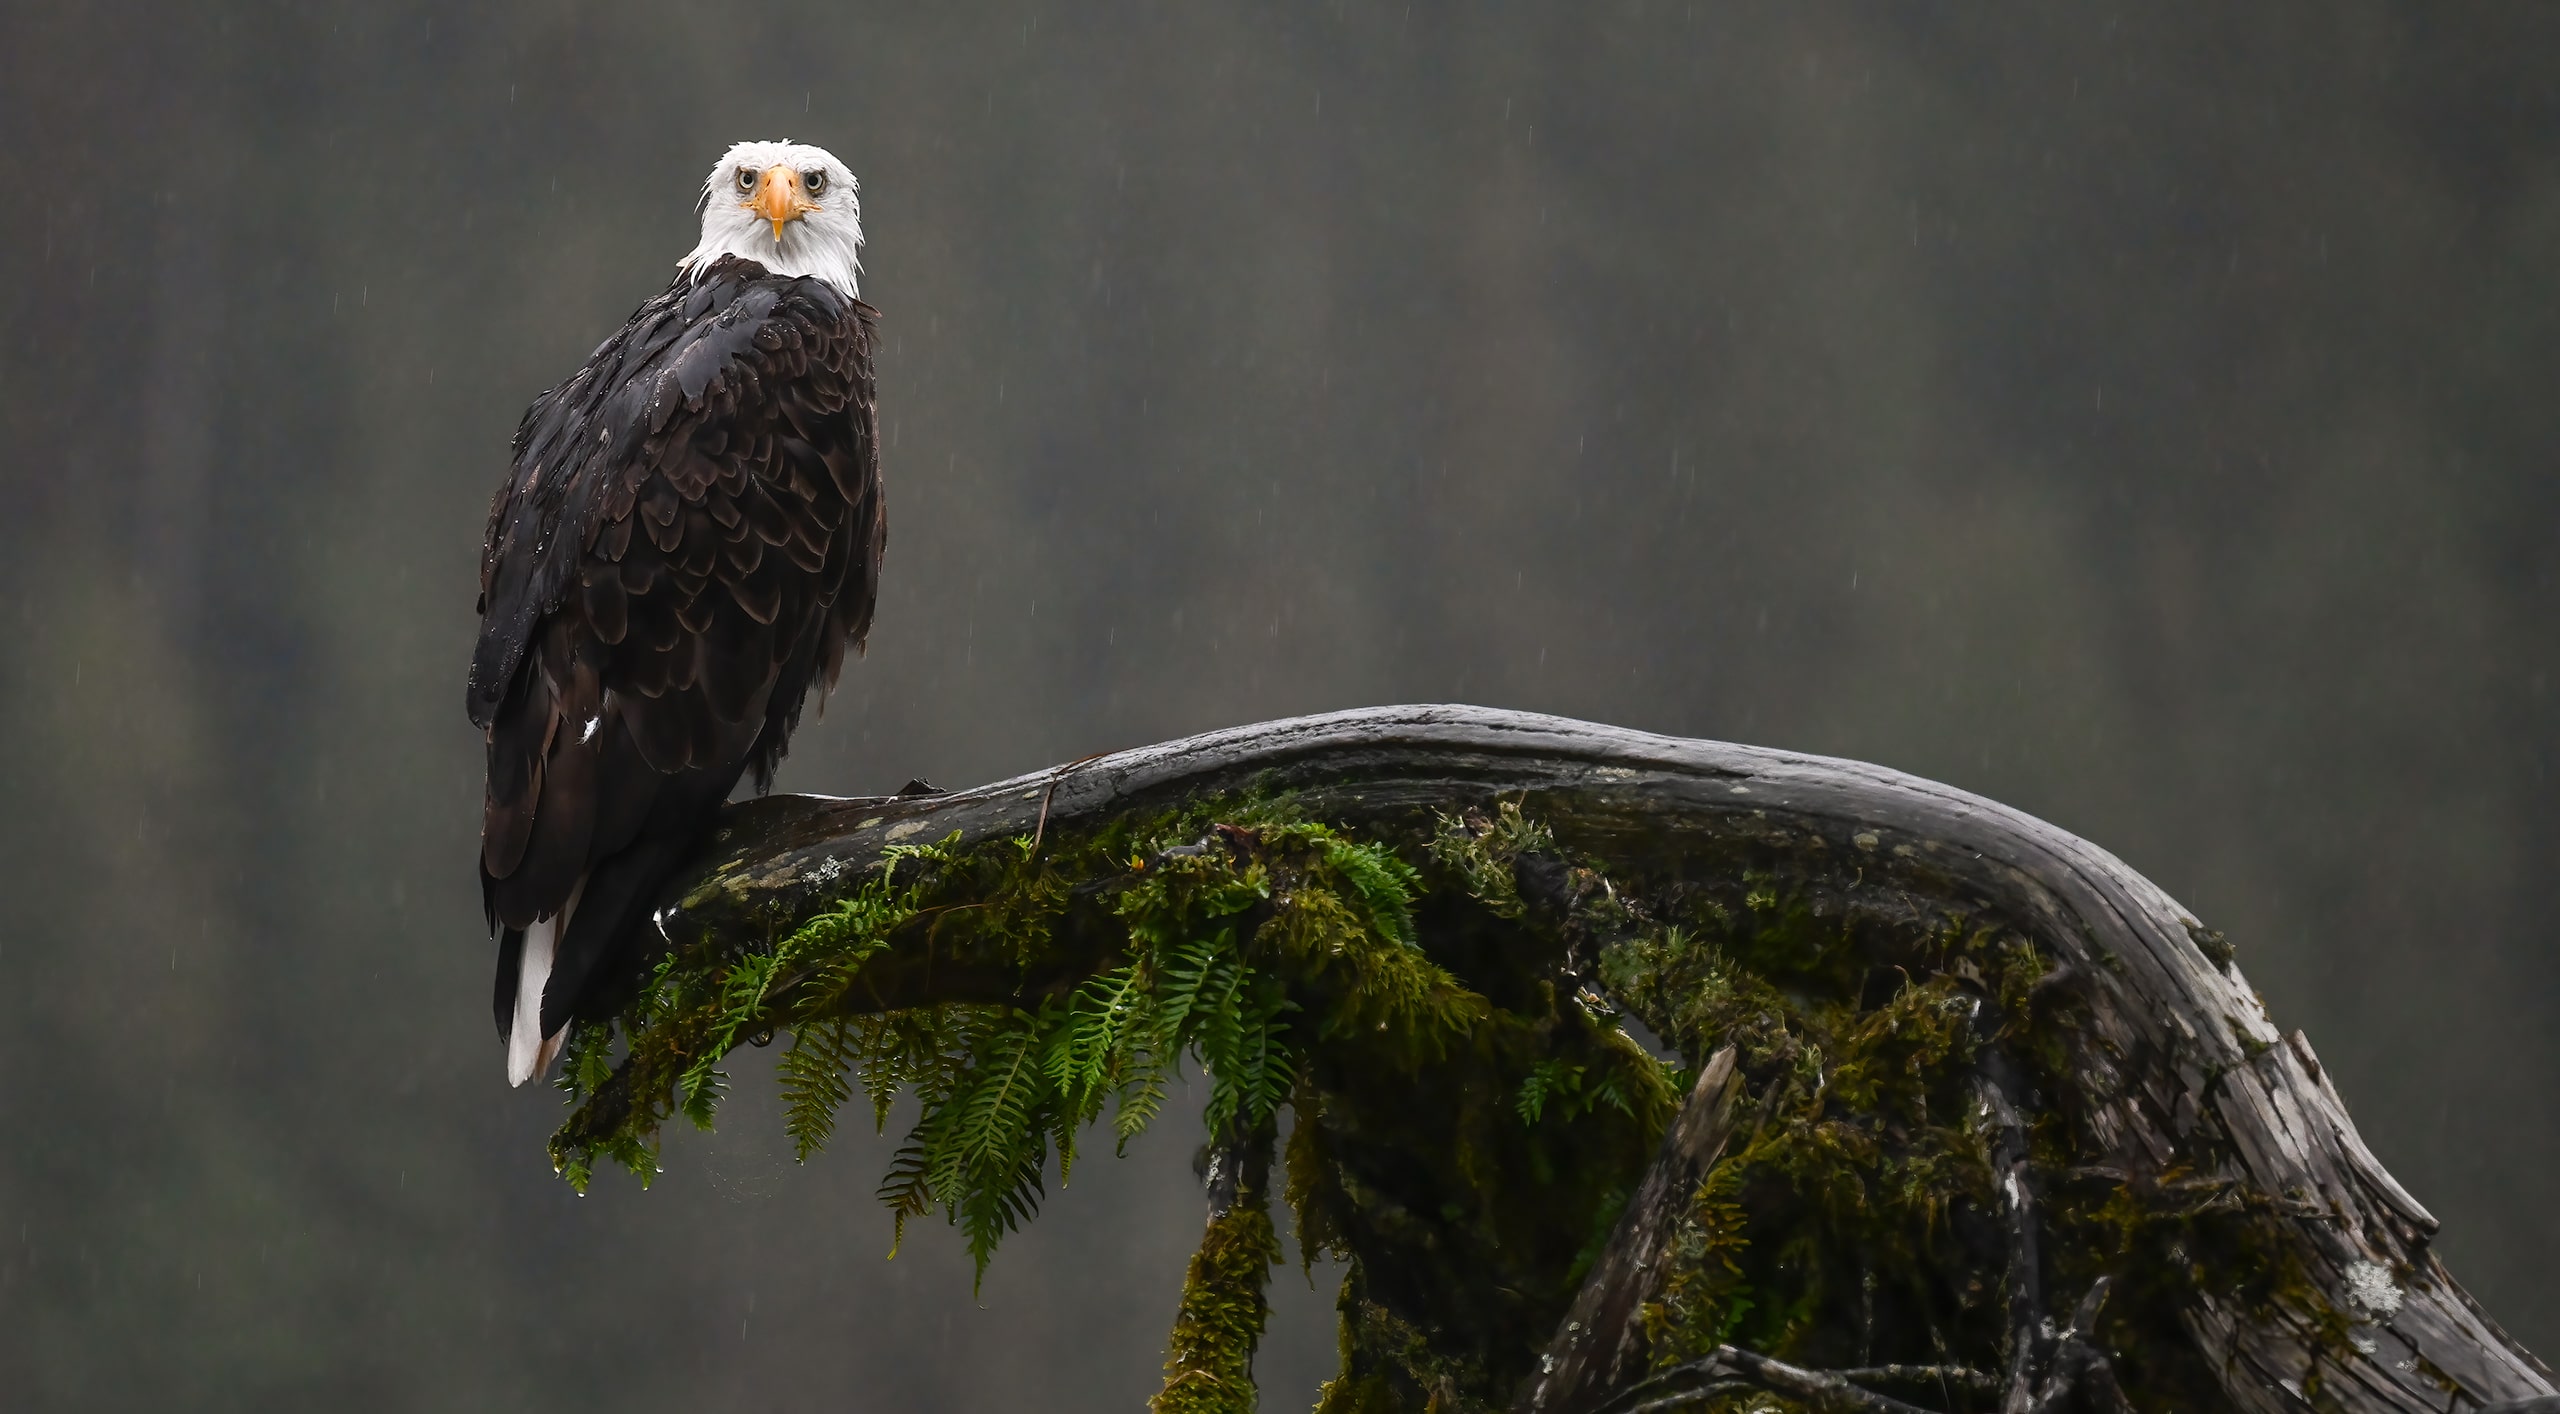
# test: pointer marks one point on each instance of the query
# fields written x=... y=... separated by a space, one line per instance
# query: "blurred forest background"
x=2141 y=415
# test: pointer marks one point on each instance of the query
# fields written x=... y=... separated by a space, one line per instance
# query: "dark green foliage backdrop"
x=2144 y=418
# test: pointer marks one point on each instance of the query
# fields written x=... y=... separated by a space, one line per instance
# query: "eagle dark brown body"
x=690 y=538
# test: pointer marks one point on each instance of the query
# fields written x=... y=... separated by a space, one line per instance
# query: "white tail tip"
x=529 y=1052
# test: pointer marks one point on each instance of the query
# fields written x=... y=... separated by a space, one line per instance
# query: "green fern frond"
x=700 y=1092
x=1138 y=1098
x=1229 y=930
x=1546 y=1080
x=1573 y=1091
x=906 y=1190
x=1251 y=1068
x=1182 y=977
x=739 y=1009
x=813 y=1082
x=586 y=1060
x=1386 y=885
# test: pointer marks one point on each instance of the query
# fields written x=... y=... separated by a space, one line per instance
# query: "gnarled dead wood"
x=1593 y=1352
x=2177 y=1062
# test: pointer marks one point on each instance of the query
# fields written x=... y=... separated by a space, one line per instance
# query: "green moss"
x=1391 y=1365
x=2216 y=948
x=1484 y=850
x=1855 y=1224
x=1437 y=1006
x=1228 y=935
x=1866 y=1164
x=1705 y=1298
x=1208 y=1367
x=2241 y=1036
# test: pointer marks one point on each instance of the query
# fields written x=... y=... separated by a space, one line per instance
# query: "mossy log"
x=2107 y=1069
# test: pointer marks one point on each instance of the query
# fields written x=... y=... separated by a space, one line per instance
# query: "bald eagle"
x=688 y=540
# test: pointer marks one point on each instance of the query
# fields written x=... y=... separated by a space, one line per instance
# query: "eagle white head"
x=789 y=207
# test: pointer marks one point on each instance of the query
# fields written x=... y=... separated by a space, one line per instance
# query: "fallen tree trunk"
x=2153 y=1091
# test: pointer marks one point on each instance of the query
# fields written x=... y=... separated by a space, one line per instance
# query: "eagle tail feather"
x=529 y=1051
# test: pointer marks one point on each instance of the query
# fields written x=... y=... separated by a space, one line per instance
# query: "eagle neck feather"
x=832 y=254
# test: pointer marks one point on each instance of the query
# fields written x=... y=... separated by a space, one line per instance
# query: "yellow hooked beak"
x=780 y=200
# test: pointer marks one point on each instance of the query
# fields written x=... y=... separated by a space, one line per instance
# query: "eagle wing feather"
x=642 y=645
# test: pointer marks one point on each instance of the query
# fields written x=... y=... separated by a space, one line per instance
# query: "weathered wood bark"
x=2177 y=1062
x=1593 y=1352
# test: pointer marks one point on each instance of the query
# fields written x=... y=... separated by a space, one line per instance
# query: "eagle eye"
x=746 y=179
x=816 y=182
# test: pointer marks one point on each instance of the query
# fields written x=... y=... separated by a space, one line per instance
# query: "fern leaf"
x=1139 y=1099
x=1385 y=884
x=813 y=1084
x=906 y=1190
